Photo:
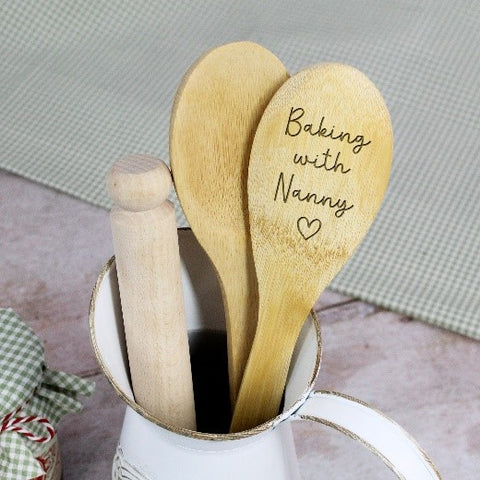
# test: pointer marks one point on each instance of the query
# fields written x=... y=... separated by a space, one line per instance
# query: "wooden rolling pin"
x=148 y=268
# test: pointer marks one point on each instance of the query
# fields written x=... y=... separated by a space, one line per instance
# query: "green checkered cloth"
x=29 y=388
x=84 y=83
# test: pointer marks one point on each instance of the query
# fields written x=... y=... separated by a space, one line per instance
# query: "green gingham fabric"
x=83 y=83
x=17 y=461
x=29 y=387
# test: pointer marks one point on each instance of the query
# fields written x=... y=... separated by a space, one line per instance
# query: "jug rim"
x=273 y=422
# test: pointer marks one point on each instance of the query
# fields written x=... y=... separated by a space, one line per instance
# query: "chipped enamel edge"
x=182 y=431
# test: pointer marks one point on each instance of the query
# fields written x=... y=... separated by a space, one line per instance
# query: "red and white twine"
x=14 y=423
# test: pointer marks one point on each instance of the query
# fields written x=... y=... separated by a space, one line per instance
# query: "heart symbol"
x=308 y=228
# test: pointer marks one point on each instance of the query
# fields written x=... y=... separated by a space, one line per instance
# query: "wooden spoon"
x=216 y=111
x=318 y=171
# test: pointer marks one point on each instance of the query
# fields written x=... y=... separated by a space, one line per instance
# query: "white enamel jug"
x=150 y=450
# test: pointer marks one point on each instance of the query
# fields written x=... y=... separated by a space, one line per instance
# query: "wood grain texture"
x=215 y=114
x=52 y=248
x=147 y=256
x=319 y=168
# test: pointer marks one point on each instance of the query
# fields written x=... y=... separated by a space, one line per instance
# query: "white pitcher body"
x=146 y=451
x=149 y=449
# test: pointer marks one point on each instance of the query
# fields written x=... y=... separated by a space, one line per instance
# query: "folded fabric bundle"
x=33 y=399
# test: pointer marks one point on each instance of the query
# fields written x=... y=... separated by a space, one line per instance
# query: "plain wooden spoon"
x=215 y=114
x=318 y=171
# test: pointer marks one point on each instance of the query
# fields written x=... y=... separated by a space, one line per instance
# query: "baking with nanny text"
x=329 y=160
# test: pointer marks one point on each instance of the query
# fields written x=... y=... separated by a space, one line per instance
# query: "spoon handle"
x=265 y=376
x=240 y=296
x=148 y=268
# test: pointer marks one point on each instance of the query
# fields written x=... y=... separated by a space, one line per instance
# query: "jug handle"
x=381 y=435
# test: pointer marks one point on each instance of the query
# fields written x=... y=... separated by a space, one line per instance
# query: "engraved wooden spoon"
x=215 y=114
x=318 y=171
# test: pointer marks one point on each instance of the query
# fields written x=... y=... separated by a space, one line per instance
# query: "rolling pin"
x=148 y=268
